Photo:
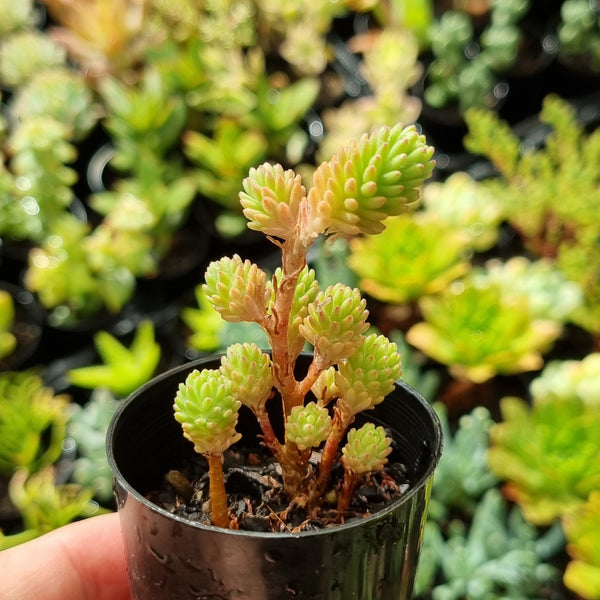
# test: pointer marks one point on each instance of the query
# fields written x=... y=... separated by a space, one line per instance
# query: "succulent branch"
x=354 y=193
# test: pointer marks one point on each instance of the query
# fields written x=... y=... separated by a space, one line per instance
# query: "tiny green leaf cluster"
x=367 y=449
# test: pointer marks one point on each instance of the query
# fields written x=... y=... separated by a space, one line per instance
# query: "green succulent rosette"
x=366 y=450
x=271 y=200
x=335 y=323
x=368 y=375
x=369 y=180
x=248 y=369
x=207 y=409
x=308 y=426
x=236 y=289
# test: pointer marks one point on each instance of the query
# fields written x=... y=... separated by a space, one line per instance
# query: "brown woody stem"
x=219 y=512
x=351 y=480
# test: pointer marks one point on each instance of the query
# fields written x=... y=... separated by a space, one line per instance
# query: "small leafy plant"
x=353 y=193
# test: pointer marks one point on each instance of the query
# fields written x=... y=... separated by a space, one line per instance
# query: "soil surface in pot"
x=257 y=500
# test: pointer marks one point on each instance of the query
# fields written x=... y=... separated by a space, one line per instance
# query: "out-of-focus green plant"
x=391 y=50
x=25 y=53
x=552 y=296
x=37 y=186
x=45 y=505
x=223 y=159
x=579 y=33
x=62 y=276
x=464 y=204
x=466 y=66
x=124 y=369
x=415 y=16
x=8 y=341
x=498 y=556
x=415 y=256
x=548 y=454
x=87 y=426
x=549 y=194
x=15 y=15
x=142 y=214
x=463 y=474
x=479 y=328
x=560 y=379
x=582 y=529
x=60 y=94
x=144 y=121
x=32 y=422
x=102 y=36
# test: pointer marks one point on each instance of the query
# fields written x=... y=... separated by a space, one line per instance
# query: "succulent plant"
x=463 y=475
x=60 y=94
x=15 y=15
x=579 y=33
x=468 y=60
x=8 y=341
x=32 y=422
x=560 y=379
x=365 y=182
x=86 y=427
x=124 y=369
x=479 y=328
x=415 y=256
x=499 y=555
x=549 y=192
x=582 y=574
x=548 y=468
x=45 y=504
x=37 y=186
x=25 y=53
x=465 y=205
x=61 y=273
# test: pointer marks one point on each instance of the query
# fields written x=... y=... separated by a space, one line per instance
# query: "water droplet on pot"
x=291 y=589
x=273 y=556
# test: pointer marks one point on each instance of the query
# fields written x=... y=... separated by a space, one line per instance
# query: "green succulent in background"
x=60 y=94
x=561 y=379
x=466 y=65
x=552 y=296
x=32 y=422
x=479 y=329
x=391 y=50
x=144 y=121
x=417 y=255
x=37 y=186
x=549 y=193
x=87 y=426
x=582 y=529
x=222 y=161
x=8 y=341
x=61 y=274
x=463 y=475
x=579 y=32
x=498 y=556
x=45 y=504
x=124 y=369
x=548 y=468
x=466 y=205
x=25 y=53
x=141 y=217
x=15 y=15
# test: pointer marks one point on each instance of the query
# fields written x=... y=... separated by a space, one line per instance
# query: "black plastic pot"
x=170 y=557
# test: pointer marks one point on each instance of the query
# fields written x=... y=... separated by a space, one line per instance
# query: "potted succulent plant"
x=290 y=524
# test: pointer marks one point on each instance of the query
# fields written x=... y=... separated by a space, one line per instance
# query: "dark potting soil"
x=257 y=500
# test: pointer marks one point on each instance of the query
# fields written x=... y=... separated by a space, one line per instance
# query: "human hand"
x=81 y=561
